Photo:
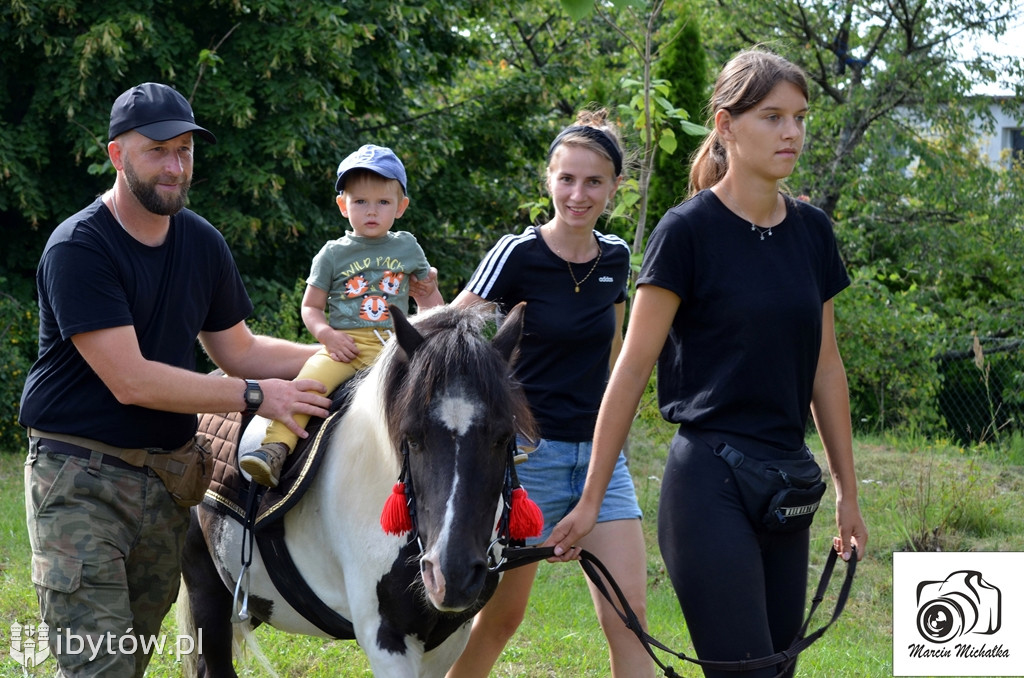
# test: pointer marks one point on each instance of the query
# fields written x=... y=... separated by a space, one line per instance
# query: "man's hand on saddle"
x=283 y=399
x=340 y=346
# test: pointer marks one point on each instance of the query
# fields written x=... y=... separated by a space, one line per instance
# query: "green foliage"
x=578 y=9
x=19 y=328
x=649 y=111
x=1013 y=449
x=277 y=309
x=470 y=94
x=288 y=89
x=893 y=70
x=533 y=71
x=887 y=339
x=930 y=231
x=684 y=65
x=650 y=107
x=943 y=503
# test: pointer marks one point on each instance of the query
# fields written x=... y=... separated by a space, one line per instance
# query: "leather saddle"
x=230 y=491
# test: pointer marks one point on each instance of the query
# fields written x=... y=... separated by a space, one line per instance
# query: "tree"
x=929 y=231
x=878 y=67
x=468 y=95
x=532 y=70
x=550 y=67
x=684 y=65
x=289 y=89
x=653 y=115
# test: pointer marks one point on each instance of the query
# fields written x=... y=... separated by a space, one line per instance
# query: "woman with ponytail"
x=734 y=304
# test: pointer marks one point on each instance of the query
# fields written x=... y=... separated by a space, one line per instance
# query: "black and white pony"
x=438 y=411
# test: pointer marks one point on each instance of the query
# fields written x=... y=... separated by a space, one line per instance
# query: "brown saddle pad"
x=229 y=491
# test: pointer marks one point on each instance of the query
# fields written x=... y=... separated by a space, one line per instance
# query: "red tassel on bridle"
x=525 y=518
x=395 y=518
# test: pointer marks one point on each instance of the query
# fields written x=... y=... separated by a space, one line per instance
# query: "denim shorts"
x=554 y=474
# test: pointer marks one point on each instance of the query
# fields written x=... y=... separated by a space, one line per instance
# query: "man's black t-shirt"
x=92 y=276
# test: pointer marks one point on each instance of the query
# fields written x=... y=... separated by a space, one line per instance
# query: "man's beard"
x=148 y=196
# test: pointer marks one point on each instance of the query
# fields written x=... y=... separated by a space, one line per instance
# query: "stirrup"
x=241 y=614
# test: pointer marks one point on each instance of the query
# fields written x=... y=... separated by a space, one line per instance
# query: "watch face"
x=253 y=394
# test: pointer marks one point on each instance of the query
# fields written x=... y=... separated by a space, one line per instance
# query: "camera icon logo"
x=962 y=603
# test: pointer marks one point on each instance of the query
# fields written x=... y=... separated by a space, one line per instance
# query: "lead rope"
x=597 y=573
x=784 y=658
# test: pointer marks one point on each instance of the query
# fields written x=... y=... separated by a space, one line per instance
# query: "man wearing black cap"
x=126 y=286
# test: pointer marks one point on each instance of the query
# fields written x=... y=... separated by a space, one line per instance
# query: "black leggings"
x=742 y=590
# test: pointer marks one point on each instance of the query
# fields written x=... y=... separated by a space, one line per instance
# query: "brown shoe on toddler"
x=264 y=463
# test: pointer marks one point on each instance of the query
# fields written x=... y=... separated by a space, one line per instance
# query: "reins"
x=598 y=574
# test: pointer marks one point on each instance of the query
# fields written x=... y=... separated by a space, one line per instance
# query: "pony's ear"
x=408 y=337
x=506 y=340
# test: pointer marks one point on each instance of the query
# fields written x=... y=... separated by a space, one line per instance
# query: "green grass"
x=914 y=494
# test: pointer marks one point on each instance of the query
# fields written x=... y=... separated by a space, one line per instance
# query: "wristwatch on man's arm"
x=253 y=396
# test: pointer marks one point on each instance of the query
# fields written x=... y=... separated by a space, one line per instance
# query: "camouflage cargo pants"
x=106 y=558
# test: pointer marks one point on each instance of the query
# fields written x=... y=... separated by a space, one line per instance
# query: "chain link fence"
x=981 y=397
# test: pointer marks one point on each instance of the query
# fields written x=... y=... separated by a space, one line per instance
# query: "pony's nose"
x=472 y=581
x=453 y=589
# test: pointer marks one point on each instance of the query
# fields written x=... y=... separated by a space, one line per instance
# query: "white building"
x=1007 y=137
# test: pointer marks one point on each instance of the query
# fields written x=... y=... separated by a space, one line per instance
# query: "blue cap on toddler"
x=377 y=159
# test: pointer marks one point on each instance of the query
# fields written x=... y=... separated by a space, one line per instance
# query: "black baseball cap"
x=155 y=111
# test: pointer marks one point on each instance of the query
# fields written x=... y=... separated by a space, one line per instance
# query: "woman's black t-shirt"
x=743 y=348
x=567 y=335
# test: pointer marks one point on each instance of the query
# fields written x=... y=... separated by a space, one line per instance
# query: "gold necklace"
x=580 y=282
x=753 y=226
x=592 y=268
x=573 y=273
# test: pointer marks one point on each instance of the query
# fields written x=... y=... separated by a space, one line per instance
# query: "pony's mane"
x=455 y=347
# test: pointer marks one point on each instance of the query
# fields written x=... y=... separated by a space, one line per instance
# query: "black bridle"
x=504 y=537
x=410 y=494
x=504 y=533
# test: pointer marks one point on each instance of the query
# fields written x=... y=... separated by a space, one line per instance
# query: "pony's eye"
x=414 y=445
x=502 y=444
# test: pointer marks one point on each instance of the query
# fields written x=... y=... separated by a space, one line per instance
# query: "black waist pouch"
x=783 y=494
